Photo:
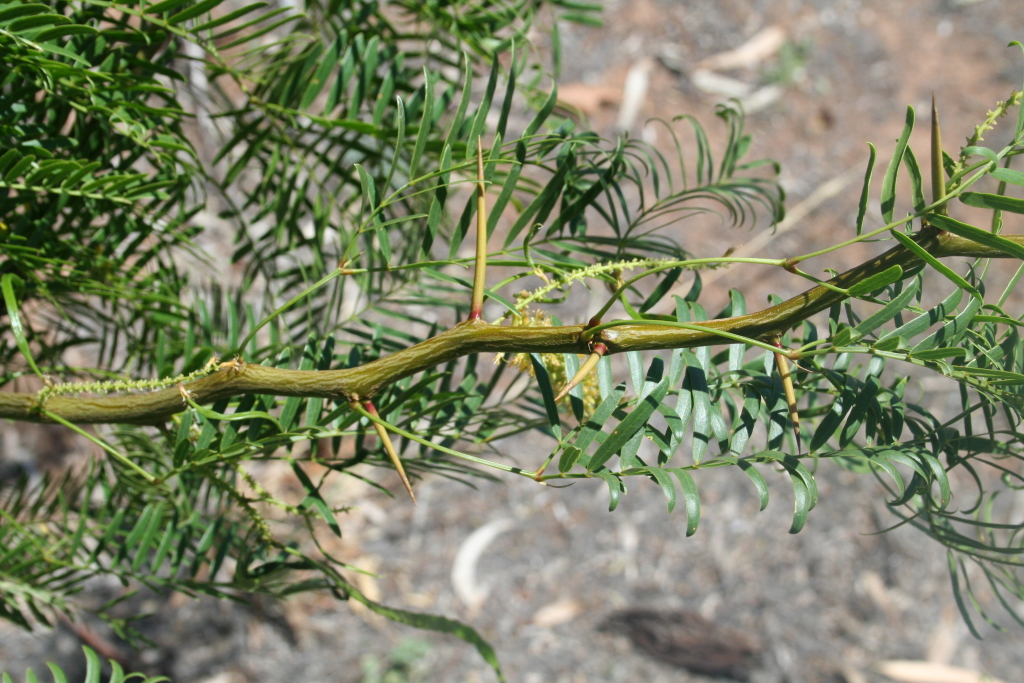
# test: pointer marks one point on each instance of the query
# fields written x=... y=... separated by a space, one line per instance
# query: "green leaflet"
x=921 y=253
x=877 y=281
x=627 y=454
x=805 y=490
x=954 y=575
x=11 y=305
x=938 y=474
x=801 y=505
x=702 y=409
x=737 y=306
x=633 y=423
x=636 y=372
x=572 y=366
x=889 y=180
x=547 y=393
x=437 y=202
x=570 y=456
x=165 y=6
x=939 y=353
x=865 y=193
x=543 y=112
x=13 y=11
x=314 y=500
x=371 y=211
x=757 y=479
x=866 y=402
x=615 y=488
x=142 y=537
x=430 y=622
x=922 y=322
x=318 y=79
x=57 y=673
x=597 y=421
x=663 y=287
x=916 y=181
x=690 y=498
x=897 y=478
x=193 y=11
x=890 y=310
x=979 y=150
x=426 y=122
x=835 y=416
x=27 y=24
x=977 y=234
x=466 y=90
x=477 y=127
x=1008 y=175
x=236 y=416
x=92 y=666
x=952 y=332
x=996 y=202
x=229 y=17
x=65 y=30
x=744 y=425
x=669 y=442
x=506 y=103
x=665 y=482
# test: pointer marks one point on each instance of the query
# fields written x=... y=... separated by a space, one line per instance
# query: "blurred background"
x=552 y=579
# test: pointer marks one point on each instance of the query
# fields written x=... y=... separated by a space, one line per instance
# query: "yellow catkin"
x=554 y=362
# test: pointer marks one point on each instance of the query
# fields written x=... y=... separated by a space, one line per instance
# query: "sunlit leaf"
x=633 y=423
x=889 y=180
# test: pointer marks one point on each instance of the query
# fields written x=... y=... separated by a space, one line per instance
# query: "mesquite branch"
x=472 y=336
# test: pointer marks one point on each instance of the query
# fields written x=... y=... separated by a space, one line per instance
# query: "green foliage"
x=93 y=672
x=332 y=147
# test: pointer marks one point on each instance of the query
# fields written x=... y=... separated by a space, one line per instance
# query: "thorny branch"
x=472 y=336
